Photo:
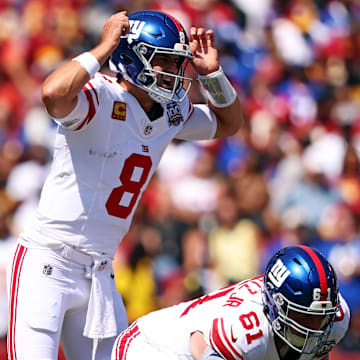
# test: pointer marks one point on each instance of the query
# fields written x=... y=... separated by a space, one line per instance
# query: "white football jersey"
x=102 y=162
x=233 y=322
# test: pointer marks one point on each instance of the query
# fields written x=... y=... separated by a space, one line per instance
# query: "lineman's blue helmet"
x=300 y=283
x=151 y=33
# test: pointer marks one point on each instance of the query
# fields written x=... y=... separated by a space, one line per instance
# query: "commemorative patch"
x=174 y=114
x=325 y=349
x=119 y=111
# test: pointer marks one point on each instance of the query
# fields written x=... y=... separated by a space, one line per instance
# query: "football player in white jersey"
x=294 y=311
x=112 y=133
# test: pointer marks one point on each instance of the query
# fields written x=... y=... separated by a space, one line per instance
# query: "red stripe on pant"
x=124 y=340
x=14 y=288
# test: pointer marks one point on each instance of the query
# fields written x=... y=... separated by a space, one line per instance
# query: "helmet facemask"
x=286 y=318
x=147 y=78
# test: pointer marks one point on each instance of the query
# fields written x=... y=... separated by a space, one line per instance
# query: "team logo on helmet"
x=278 y=273
x=174 y=114
x=136 y=27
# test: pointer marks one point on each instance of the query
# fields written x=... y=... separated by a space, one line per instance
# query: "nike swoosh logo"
x=233 y=338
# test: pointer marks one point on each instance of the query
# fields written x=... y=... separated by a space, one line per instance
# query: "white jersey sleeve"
x=86 y=107
x=200 y=122
x=240 y=329
x=245 y=337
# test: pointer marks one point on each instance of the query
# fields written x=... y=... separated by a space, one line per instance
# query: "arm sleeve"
x=201 y=124
x=221 y=340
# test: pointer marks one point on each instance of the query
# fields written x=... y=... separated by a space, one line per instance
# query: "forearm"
x=60 y=89
x=200 y=350
x=197 y=345
x=229 y=119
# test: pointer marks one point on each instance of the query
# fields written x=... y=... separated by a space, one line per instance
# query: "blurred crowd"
x=215 y=210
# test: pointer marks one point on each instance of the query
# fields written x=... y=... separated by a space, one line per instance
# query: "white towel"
x=100 y=317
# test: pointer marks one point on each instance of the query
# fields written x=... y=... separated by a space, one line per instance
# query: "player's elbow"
x=50 y=94
x=48 y=99
x=58 y=104
x=46 y=96
x=57 y=99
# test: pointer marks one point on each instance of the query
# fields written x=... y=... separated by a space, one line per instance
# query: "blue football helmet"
x=301 y=297
x=152 y=33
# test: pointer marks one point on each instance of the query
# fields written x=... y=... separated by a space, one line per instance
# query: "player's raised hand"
x=115 y=27
x=202 y=45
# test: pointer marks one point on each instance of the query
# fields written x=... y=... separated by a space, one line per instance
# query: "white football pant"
x=48 y=297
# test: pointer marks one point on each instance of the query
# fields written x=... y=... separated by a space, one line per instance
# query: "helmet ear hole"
x=126 y=59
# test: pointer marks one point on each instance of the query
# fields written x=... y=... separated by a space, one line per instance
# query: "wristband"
x=89 y=62
x=218 y=88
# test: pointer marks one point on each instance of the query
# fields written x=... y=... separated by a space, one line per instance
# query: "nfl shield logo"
x=148 y=130
x=102 y=265
x=47 y=269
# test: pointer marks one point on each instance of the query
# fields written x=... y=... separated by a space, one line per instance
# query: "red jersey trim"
x=229 y=343
x=225 y=349
x=93 y=89
x=92 y=109
x=124 y=340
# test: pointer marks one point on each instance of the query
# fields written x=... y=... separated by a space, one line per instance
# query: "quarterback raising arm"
x=112 y=132
x=60 y=89
x=206 y=62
